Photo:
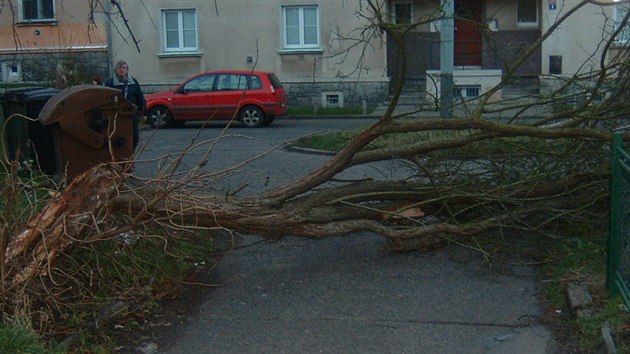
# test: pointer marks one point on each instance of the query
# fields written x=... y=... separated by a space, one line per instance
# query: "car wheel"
x=252 y=117
x=160 y=117
x=268 y=120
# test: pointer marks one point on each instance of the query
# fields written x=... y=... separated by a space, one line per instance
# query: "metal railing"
x=618 y=277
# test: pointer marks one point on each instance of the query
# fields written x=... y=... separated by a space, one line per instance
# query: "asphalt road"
x=342 y=294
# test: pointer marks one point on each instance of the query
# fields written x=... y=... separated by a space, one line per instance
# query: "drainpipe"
x=447 y=35
x=108 y=29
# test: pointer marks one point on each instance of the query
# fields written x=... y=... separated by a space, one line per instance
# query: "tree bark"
x=71 y=216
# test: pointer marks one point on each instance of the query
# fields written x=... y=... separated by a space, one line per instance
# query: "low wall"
x=484 y=78
x=74 y=67
x=373 y=93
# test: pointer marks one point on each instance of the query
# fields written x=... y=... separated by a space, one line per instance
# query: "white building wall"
x=578 y=39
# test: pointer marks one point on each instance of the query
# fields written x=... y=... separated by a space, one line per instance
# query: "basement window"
x=467 y=91
x=332 y=99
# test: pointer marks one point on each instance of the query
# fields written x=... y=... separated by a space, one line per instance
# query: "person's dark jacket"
x=132 y=91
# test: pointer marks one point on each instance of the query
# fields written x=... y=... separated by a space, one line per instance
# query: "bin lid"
x=70 y=103
x=18 y=93
x=69 y=108
x=43 y=94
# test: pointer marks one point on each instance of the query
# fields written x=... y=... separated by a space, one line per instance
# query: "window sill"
x=50 y=22
x=528 y=25
x=300 y=51
x=179 y=54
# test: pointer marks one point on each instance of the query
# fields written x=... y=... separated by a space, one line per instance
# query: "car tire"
x=160 y=117
x=251 y=117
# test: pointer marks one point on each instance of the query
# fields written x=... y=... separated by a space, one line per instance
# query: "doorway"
x=468 y=23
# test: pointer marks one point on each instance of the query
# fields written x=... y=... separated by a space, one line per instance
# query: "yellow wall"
x=70 y=31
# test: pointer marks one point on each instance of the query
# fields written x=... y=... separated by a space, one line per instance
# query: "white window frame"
x=301 y=45
x=529 y=24
x=40 y=9
x=327 y=95
x=619 y=13
x=402 y=2
x=180 y=31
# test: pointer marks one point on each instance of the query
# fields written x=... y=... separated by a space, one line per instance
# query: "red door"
x=468 y=44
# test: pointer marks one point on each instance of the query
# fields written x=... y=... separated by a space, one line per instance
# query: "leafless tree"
x=464 y=181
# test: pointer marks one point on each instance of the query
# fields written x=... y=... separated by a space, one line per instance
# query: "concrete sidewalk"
x=345 y=295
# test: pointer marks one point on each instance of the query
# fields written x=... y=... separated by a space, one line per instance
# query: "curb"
x=581 y=304
x=360 y=116
x=310 y=151
x=580 y=300
x=609 y=340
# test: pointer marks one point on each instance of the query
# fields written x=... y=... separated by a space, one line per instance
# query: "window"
x=332 y=99
x=300 y=27
x=621 y=10
x=10 y=72
x=527 y=13
x=467 y=91
x=255 y=83
x=200 y=84
x=179 y=30
x=38 y=10
x=275 y=82
x=238 y=82
x=402 y=12
x=555 y=64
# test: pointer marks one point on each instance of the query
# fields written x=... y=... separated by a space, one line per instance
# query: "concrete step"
x=518 y=91
x=411 y=98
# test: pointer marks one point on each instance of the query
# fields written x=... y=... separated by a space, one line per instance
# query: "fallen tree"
x=465 y=201
x=472 y=173
x=469 y=202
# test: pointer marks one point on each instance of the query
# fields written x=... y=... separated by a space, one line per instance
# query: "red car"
x=255 y=98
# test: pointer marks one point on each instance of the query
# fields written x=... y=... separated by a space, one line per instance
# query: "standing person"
x=131 y=90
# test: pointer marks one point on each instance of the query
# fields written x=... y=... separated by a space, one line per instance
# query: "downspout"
x=447 y=36
x=108 y=29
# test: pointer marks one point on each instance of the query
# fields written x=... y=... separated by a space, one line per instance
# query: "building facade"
x=52 y=41
x=322 y=50
x=312 y=46
x=491 y=36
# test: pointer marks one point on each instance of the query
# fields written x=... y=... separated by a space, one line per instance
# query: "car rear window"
x=275 y=82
